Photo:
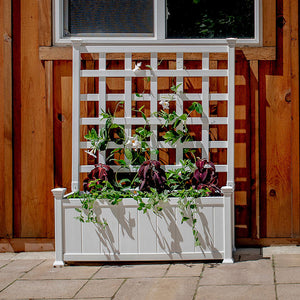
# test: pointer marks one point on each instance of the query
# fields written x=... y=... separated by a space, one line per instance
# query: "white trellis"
x=131 y=235
x=153 y=73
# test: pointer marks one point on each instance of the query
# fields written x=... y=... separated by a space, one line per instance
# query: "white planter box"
x=132 y=235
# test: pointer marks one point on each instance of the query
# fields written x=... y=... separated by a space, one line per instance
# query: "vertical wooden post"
x=295 y=163
x=6 y=165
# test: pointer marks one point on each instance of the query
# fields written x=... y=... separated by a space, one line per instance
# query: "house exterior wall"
x=35 y=107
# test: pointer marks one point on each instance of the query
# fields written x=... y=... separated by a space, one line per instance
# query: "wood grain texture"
x=276 y=135
x=294 y=44
x=62 y=113
x=255 y=153
x=6 y=162
x=269 y=22
x=242 y=162
x=49 y=147
x=31 y=193
x=45 y=22
x=26 y=244
x=250 y=53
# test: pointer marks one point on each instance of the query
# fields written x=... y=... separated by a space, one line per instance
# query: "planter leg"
x=58 y=196
x=228 y=236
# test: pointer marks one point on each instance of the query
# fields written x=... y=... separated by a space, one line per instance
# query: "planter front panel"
x=133 y=235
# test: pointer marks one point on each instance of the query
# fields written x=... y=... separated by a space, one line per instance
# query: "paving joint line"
x=198 y=282
x=26 y=272
x=114 y=295
x=274 y=277
x=87 y=280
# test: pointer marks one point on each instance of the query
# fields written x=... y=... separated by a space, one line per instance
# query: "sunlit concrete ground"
x=268 y=273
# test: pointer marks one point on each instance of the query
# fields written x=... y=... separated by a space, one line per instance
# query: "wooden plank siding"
x=33 y=171
x=267 y=124
x=6 y=162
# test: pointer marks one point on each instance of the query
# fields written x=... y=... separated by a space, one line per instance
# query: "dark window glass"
x=210 y=18
x=110 y=17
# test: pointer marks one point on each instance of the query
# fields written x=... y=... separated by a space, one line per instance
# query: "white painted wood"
x=132 y=235
x=228 y=226
x=58 y=194
x=88 y=168
x=102 y=98
x=153 y=121
x=179 y=102
x=76 y=116
x=153 y=105
x=231 y=120
x=148 y=73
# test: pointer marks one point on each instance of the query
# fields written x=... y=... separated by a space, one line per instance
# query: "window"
x=157 y=21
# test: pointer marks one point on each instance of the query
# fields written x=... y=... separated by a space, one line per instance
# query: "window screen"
x=109 y=17
x=210 y=18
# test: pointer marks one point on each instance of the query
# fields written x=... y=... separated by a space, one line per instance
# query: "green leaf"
x=184 y=219
x=128 y=153
x=174 y=88
x=183 y=117
x=138 y=95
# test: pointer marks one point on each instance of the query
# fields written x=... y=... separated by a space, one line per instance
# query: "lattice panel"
x=100 y=74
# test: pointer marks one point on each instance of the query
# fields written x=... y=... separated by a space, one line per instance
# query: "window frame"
x=159 y=30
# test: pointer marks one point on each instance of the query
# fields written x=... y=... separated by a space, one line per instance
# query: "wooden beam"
x=295 y=166
x=250 y=53
x=254 y=106
x=26 y=244
x=45 y=22
x=49 y=147
x=6 y=165
x=269 y=22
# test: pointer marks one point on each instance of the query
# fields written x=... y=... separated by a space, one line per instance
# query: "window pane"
x=110 y=17
x=210 y=18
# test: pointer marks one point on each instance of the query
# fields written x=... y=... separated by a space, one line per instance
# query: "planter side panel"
x=132 y=235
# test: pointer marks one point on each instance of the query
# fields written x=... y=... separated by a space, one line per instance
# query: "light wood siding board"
x=31 y=156
x=45 y=22
x=269 y=22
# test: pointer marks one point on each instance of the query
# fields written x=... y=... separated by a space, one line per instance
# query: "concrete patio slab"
x=46 y=271
x=3 y=263
x=286 y=260
x=34 y=255
x=273 y=250
x=288 y=275
x=35 y=289
x=250 y=272
x=181 y=270
x=288 y=291
x=100 y=288
x=6 y=279
x=20 y=267
x=158 y=288
x=7 y=256
x=132 y=271
x=245 y=292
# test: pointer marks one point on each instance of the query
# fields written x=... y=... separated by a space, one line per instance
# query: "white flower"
x=179 y=173
x=133 y=142
x=91 y=152
x=137 y=67
x=164 y=104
